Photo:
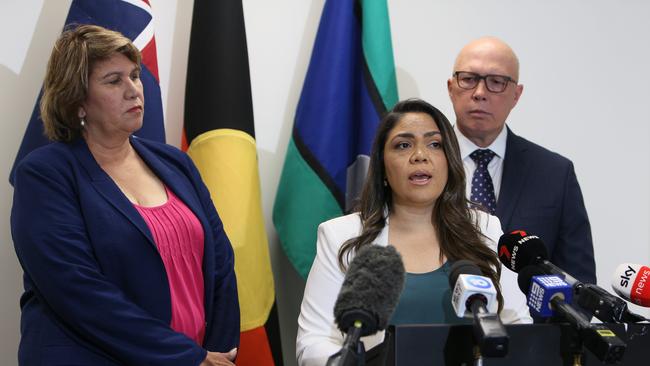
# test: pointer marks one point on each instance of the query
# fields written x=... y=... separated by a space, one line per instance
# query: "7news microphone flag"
x=349 y=86
x=219 y=136
x=134 y=19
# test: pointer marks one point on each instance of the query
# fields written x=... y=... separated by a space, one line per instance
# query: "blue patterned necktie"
x=482 y=187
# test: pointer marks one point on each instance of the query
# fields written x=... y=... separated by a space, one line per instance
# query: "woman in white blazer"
x=413 y=199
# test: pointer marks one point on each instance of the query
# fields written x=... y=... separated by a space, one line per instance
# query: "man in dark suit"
x=527 y=186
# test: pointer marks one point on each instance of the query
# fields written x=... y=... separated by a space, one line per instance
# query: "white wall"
x=586 y=94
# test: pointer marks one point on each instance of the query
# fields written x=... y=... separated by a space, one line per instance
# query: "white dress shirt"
x=495 y=168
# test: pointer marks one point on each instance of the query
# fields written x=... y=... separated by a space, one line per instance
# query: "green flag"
x=349 y=85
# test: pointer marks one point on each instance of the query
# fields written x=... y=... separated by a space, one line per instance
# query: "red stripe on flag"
x=184 y=145
x=254 y=349
x=149 y=58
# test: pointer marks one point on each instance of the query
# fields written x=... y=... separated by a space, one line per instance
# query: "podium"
x=530 y=345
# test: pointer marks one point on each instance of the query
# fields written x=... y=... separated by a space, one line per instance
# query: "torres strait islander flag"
x=350 y=84
x=133 y=18
x=219 y=136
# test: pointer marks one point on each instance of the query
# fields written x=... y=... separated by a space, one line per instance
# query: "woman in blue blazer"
x=97 y=291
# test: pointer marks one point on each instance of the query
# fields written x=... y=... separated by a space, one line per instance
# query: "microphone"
x=632 y=282
x=550 y=295
x=542 y=291
x=518 y=250
x=369 y=294
x=474 y=295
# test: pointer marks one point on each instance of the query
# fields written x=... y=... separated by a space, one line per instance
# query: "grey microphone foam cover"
x=371 y=289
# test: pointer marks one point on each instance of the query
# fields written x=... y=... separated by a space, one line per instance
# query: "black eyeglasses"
x=494 y=83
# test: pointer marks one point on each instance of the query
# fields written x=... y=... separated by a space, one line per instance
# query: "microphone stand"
x=600 y=340
x=605 y=306
x=478 y=358
x=571 y=345
x=489 y=333
x=353 y=352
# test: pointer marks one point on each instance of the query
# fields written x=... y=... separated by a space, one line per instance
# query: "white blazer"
x=318 y=337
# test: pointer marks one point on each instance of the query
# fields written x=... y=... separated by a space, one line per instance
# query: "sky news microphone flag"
x=219 y=136
x=350 y=84
x=133 y=19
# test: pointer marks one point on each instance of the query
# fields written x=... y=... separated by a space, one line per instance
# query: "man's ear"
x=518 y=91
x=449 y=87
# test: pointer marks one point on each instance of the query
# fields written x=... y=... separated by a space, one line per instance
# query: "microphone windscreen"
x=632 y=282
x=519 y=249
x=526 y=275
x=371 y=289
x=460 y=267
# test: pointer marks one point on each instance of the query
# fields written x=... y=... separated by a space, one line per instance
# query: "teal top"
x=426 y=299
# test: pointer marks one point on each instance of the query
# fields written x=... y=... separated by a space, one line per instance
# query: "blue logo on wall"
x=479 y=281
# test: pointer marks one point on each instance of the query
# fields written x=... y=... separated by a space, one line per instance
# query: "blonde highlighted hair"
x=66 y=79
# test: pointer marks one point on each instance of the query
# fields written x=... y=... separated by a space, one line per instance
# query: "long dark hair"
x=458 y=232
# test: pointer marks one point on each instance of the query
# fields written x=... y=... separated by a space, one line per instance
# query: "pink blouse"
x=178 y=235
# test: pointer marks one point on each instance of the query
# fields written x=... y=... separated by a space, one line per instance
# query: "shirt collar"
x=467 y=147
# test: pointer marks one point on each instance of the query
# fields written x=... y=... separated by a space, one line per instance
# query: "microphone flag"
x=632 y=282
x=469 y=285
x=542 y=290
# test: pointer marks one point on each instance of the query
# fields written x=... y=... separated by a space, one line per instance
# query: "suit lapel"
x=105 y=186
x=178 y=183
x=515 y=168
x=182 y=187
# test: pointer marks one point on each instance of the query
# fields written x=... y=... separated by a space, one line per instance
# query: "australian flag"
x=132 y=18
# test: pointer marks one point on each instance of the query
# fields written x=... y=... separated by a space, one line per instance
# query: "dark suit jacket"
x=96 y=290
x=540 y=194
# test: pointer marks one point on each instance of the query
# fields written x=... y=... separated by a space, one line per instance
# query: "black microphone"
x=519 y=249
x=369 y=294
x=549 y=295
x=473 y=291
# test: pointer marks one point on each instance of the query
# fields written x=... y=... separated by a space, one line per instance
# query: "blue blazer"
x=96 y=290
x=540 y=194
